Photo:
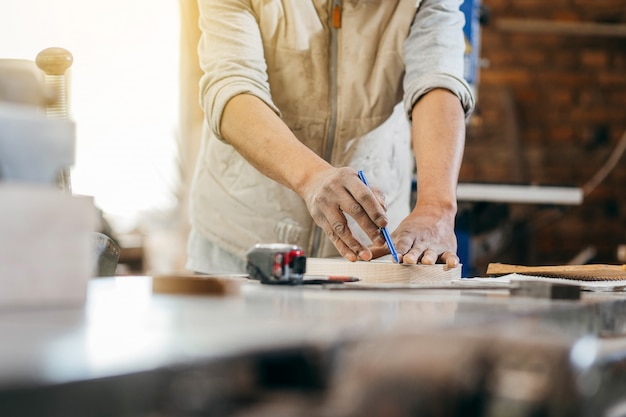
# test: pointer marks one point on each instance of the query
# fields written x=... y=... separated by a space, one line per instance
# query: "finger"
x=380 y=196
x=450 y=259
x=356 y=211
x=413 y=256
x=342 y=248
x=339 y=233
x=379 y=251
x=367 y=211
x=429 y=257
x=370 y=203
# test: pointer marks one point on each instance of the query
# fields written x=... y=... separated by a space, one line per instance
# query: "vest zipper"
x=335 y=25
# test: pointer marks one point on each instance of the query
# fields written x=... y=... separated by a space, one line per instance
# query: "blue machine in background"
x=472 y=11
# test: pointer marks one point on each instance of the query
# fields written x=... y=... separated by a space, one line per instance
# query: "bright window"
x=123 y=93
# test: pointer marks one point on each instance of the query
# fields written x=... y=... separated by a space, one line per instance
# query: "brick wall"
x=551 y=108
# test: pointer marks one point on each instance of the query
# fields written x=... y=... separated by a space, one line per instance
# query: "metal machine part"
x=33 y=149
x=107 y=255
x=54 y=62
x=549 y=290
x=36 y=146
x=276 y=263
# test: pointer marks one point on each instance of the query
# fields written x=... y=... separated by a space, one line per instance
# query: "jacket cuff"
x=215 y=101
x=455 y=85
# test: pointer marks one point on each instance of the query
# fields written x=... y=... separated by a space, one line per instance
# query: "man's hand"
x=425 y=236
x=334 y=191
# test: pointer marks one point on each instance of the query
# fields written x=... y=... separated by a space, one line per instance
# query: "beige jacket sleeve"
x=433 y=53
x=231 y=57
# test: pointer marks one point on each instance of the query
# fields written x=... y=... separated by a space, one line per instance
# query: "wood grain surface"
x=593 y=272
x=382 y=271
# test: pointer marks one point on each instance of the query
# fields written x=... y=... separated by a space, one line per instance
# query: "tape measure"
x=276 y=263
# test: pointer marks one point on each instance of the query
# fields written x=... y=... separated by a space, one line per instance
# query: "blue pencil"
x=383 y=230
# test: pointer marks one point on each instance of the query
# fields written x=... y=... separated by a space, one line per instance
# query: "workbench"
x=314 y=351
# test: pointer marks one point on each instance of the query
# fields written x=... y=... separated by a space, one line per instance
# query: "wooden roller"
x=196 y=284
x=593 y=272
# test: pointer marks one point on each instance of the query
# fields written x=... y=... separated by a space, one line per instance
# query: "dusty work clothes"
x=345 y=88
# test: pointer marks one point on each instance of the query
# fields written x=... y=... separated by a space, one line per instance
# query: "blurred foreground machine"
x=498 y=373
x=48 y=249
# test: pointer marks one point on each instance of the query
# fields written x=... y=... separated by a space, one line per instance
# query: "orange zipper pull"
x=337 y=17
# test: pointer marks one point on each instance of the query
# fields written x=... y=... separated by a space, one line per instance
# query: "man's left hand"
x=425 y=236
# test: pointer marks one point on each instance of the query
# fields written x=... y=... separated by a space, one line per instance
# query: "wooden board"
x=195 y=284
x=594 y=272
x=383 y=272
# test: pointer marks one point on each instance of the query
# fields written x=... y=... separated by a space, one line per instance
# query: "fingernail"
x=365 y=255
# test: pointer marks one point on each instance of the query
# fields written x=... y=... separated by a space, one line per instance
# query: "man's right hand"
x=334 y=191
